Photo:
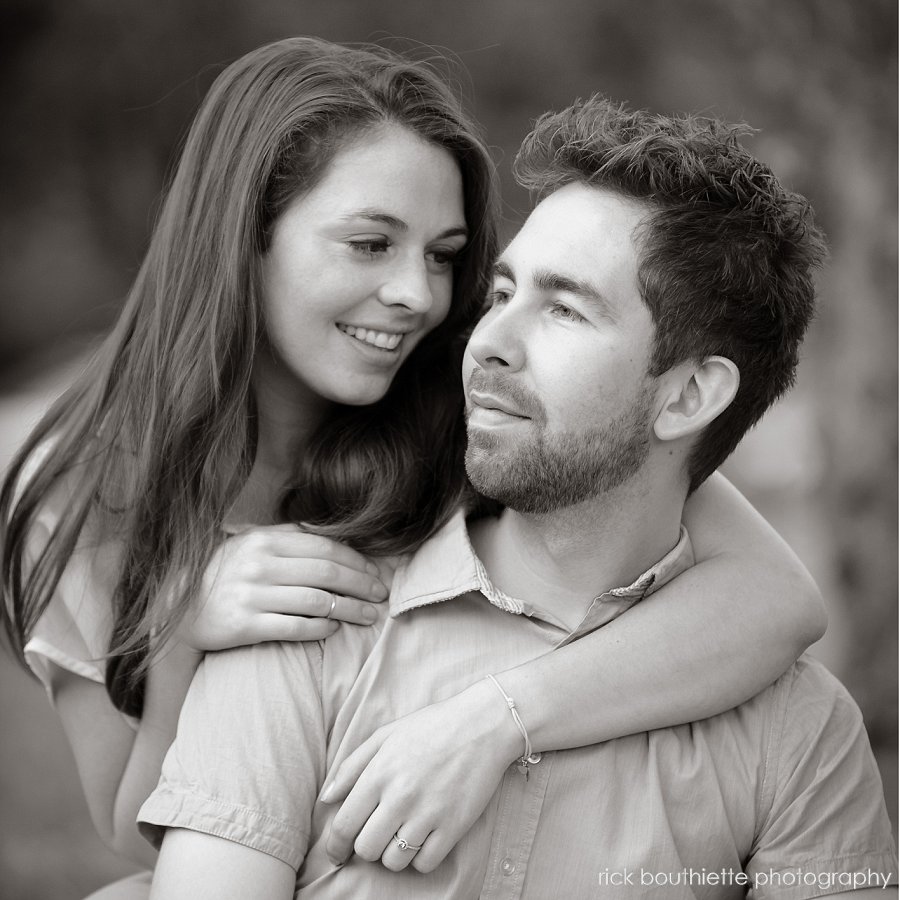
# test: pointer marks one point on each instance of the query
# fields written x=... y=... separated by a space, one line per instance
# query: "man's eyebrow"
x=502 y=270
x=546 y=280
x=376 y=215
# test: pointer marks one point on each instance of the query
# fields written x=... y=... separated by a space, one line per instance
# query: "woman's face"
x=360 y=268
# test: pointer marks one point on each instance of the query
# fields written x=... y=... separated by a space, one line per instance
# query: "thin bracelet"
x=527 y=758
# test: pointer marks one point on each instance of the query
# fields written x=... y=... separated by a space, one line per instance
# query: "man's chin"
x=489 y=469
x=482 y=438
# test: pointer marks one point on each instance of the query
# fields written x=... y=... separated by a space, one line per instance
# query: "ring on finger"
x=403 y=844
x=333 y=605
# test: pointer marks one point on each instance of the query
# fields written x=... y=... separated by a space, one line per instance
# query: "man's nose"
x=499 y=339
x=407 y=284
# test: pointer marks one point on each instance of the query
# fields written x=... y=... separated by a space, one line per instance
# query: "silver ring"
x=406 y=845
x=333 y=605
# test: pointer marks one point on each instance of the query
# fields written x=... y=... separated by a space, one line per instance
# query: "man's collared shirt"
x=781 y=793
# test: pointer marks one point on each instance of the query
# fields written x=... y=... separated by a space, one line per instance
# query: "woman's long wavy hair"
x=155 y=440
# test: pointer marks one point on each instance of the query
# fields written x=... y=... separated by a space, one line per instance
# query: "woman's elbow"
x=129 y=844
x=811 y=614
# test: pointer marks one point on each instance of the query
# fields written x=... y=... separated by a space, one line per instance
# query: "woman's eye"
x=370 y=246
x=442 y=259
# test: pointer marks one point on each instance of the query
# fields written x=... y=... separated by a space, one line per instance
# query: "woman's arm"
x=703 y=643
x=117 y=765
x=196 y=866
x=268 y=583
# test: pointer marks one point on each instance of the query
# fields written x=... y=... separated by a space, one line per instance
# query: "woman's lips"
x=383 y=340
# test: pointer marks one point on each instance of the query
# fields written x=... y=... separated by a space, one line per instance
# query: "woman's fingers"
x=350 y=770
x=273 y=627
x=434 y=850
x=326 y=575
x=373 y=838
x=295 y=544
x=290 y=601
x=406 y=842
x=348 y=823
x=272 y=583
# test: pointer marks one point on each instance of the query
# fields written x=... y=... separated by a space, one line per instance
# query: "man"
x=646 y=315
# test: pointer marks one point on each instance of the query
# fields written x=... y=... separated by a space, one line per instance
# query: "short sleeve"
x=73 y=631
x=248 y=759
x=824 y=825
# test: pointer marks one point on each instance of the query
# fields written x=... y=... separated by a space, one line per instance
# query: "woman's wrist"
x=490 y=719
x=175 y=654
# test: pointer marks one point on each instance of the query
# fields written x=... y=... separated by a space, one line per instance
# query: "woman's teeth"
x=384 y=340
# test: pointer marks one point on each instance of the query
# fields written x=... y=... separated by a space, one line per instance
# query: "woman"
x=323 y=248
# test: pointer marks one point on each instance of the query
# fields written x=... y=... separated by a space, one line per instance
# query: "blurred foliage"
x=96 y=95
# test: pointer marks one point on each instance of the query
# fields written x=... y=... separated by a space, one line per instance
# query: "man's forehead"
x=579 y=232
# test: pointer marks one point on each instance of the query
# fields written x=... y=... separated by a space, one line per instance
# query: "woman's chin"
x=362 y=395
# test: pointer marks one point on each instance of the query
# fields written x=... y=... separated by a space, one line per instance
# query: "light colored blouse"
x=74 y=630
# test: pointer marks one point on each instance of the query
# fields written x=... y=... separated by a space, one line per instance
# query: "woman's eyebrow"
x=383 y=218
x=375 y=215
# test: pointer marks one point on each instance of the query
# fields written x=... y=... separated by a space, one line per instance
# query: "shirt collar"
x=446 y=566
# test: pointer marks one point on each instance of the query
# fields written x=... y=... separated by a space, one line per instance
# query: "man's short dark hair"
x=726 y=254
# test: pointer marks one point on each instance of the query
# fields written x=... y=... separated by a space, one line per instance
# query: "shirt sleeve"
x=248 y=759
x=73 y=631
x=824 y=828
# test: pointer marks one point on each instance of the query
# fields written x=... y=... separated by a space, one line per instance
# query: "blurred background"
x=95 y=96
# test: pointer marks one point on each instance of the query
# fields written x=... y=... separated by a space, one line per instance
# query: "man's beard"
x=544 y=472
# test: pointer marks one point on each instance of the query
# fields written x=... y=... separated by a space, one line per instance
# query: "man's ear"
x=698 y=393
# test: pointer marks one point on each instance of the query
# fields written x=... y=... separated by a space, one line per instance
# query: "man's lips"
x=490 y=401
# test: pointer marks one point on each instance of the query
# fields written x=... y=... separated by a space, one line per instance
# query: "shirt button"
x=534 y=759
x=507 y=867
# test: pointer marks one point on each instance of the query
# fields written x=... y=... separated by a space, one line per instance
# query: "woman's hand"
x=426 y=777
x=278 y=583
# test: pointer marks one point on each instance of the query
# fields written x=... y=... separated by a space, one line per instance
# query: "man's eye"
x=495 y=298
x=566 y=312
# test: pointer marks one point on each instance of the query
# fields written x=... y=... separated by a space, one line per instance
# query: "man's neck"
x=561 y=561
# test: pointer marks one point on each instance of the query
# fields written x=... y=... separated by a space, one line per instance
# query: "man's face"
x=559 y=404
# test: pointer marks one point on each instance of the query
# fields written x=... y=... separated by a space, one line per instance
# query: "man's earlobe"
x=701 y=393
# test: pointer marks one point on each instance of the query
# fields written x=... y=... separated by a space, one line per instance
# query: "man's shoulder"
x=806 y=707
x=350 y=642
x=807 y=683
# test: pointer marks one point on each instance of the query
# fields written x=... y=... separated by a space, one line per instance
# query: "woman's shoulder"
x=63 y=486
x=73 y=629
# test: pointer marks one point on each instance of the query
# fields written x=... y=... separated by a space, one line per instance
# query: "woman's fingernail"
x=326 y=791
x=369 y=615
x=372 y=569
x=380 y=590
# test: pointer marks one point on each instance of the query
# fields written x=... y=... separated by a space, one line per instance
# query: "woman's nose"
x=408 y=285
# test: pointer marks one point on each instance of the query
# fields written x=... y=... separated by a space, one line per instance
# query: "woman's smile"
x=389 y=341
x=360 y=268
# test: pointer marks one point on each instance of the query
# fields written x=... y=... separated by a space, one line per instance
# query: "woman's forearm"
x=667 y=661
x=118 y=766
x=168 y=681
x=708 y=640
